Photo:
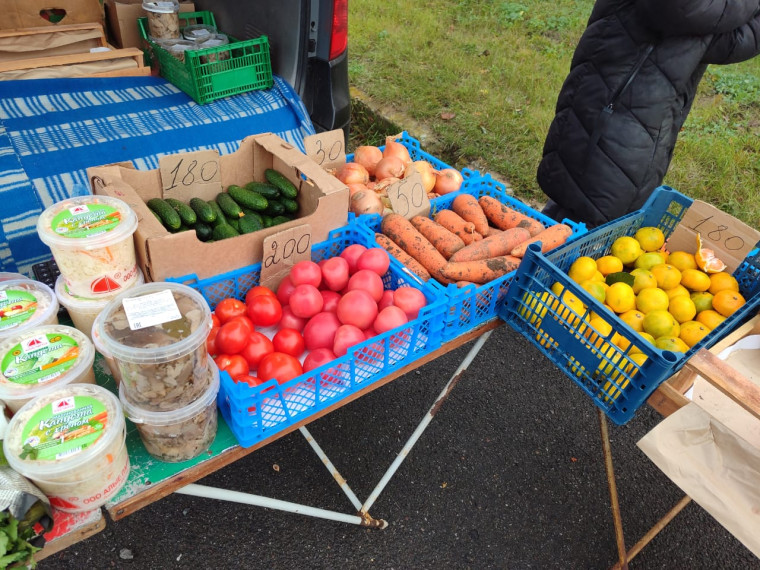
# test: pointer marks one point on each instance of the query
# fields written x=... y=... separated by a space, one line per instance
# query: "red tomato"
x=368 y=281
x=229 y=308
x=369 y=332
x=409 y=300
x=386 y=300
x=211 y=341
x=305 y=273
x=319 y=332
x=306 y=301
x=357 y=308
x=244 y=320
x=345 y=337
x=335 y=273
x=252 y=381
x=233 y=364
x=351 y=254
x=389 y=318
x=215 y=321
x=257 y=348
x=289 y=341
x=375 y=259
x=257 y=290
x=330 y=299
x=280 y=366
x=317 y=358
x=264 y=310
x=232 y=336
x=284 y=290
x=290 y=321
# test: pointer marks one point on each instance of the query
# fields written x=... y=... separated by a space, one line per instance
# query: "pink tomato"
x=368 y=281
x=306 y=301
x=335 y=273
x=317 y=358
x=389 y=318
x=306 y=272
x=409 y=300
x=345 y=337
x=351 y=254
x=375 y=259
x=330 y=299
x=357 y=308
x=386 y=300
x=284 y=290
x=290 y=321
x=369 y=332
x=319 y=332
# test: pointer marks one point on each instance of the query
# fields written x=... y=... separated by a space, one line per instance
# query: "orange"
x=672 y=343
x=667 y=276
x=676 y=291
x=650 y=238
x=661 y=323
x=706 y=259
x=649 y=259
x=727 y=302
x=582 y=269
x=609 y=264
x=692 y=332
x=710 y=318
x=626 y=249
x=721 y=281
x=642 y=279
x=702 y=301
x=620 y=297
x=682 y=260
x=652 y=299
x=682 y=308
x=634 y=319
x=695 y=280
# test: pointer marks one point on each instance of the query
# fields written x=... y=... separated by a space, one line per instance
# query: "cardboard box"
x=322 y=198
x=27 y=13
x=121 y=21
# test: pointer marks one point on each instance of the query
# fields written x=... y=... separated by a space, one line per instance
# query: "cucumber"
x=275 y=209
x=203 y=211
x=203 y=231
x=267 y=190
x=169 y=216
x=157 y=216
x=228 y=205
x=218 y=214
x=291 y=206
x=279 y=220
x=267 y=220
x=253 y=214
x=223 y=231
x=234 y=222
x=279 y=180
x=186 y=213
x=248 y=198
x=250 y=224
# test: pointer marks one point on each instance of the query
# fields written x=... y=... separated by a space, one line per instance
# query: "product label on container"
x=150 y=310
x=86 y=220
x=39 y=358
x=16 y=307
x=63 y=428
x=106 y=284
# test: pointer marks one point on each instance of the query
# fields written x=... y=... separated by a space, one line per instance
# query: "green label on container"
x=63 y=428
x=40 y=358
x=16 y=307
x=86 y=220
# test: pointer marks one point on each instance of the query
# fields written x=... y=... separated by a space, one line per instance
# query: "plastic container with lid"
x=6 y=276
x=42 y=359
x=163 y=19
x=24 y=304
x=199 y=33
x=72 y=444
x=91 y=240
x=214 y=41
x=156 y=334
x=177 y=47
x=82 y=310
x=107 y=356
x=181 y=434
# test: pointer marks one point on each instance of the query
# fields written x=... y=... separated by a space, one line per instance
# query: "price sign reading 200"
x=192 y=172
x=718 y=233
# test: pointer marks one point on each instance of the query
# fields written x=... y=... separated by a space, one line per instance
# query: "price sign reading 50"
x=191 y=174
x=408 y=197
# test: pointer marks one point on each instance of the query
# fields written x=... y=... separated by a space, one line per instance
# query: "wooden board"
x=70 y=528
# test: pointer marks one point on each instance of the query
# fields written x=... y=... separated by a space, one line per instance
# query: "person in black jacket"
x=632 y=82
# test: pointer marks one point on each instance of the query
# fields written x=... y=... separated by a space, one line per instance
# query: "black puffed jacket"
x=632 y=82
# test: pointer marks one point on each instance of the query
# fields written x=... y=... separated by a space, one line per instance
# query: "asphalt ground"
x=509 y=474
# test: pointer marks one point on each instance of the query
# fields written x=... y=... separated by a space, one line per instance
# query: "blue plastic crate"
x=257 y=413
x=605 y=372
x=415 y=152
x=471 y=306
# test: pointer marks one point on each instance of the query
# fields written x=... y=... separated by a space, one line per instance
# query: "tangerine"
x=649 y=259
x=693 y=332
x=634 y=319
x=667 y=276
x=672 y=343
x=727 y=302
x=682 y=260
x=652 y=299
x=620 y=297
x=702 y=301
x=609 y=264
x=682 y=308
x=626 y=249
x=661 y=323
x=710 y=318
x=582 y=269
x=650 y=238
x=676 y=291
x=695 y=280
x=642 y=279
x=722 y=280
x=706 y=259
x=597 y=289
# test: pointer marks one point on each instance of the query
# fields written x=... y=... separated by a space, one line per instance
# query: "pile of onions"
x=447 y=180
x=368 y=157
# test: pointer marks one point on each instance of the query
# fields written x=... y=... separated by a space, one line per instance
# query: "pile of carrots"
x=476 y=241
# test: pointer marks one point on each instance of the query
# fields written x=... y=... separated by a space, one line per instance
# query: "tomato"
x=280 y=366
x=265 y=310
x=233 y=364
x=211 y=341
x=229 y=308
x=386 y=300
x=368 y=281
x=257 y=348
x=215 y=322
x=330 y=301
x=284 y=290
x=317 y=358
x=244 y=320
x=319 y=332
x=232 y=336
x=389 y=318
x=345 y=337
x=374 y=259
x=246 y=378
x=409 y=300
x=257 y=290
x=351 y=254
x=290 y=321
x=335 y=273
x=369 y=332
x=289 y=341
x=357 y=308
x=306 y=301
x=305 y=273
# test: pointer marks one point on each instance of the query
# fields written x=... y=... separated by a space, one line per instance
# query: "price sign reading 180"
x=191 y=174
x=718 y=233
x=408 y=197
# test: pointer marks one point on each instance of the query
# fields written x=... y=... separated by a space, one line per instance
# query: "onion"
x=389 y=167
x=393 y=148
x=447 y=180
x=368 y=157
x=355 y=187
x=381 y=186
x=426 y=170
x=352 y=173
x=366 y=203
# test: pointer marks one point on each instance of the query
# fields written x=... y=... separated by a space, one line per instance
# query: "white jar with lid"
x=25 y=304
x=163 y=19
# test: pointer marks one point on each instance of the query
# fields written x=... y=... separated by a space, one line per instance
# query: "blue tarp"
x=52 y=130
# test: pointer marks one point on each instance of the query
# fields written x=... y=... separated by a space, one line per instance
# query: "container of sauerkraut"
x=25 y=304
x=6 y=276
x=72 y=444
x=82 y=310
x=42 y=359
x=156 y=334
x=91 y=241
x=107 y=356
x=180 y=434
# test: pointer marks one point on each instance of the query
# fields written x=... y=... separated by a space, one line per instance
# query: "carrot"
x=443 y=240
x=501 y=243
x=466 y=205
x=407 y=260
x=482 y=270
x=505 y=218
x=550 y=238
x=406 y=236
x=491 y=231
x=454 y=223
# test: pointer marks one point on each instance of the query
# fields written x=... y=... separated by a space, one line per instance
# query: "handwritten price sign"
x=282 y=251
x=326 y=149
x=408 y=197
x=191 y=174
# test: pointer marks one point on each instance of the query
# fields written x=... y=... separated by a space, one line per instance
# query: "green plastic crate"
x=237 y=67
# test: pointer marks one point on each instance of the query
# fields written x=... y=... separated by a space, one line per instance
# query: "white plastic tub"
x=180 y=434
x=72 y=444
x=41 y=360
x=25 y=304
x=107 y=356
x=91 y=241
x=161 y=354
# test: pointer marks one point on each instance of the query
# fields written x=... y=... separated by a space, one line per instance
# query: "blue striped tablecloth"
x=52 y=130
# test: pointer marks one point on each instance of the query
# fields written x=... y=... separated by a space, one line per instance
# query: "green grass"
x=482 y=77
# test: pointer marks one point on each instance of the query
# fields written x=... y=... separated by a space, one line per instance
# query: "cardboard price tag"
x=408 y=197
x=191 y=174
x=326 y=149
x=729 y=238
x=282 y=251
